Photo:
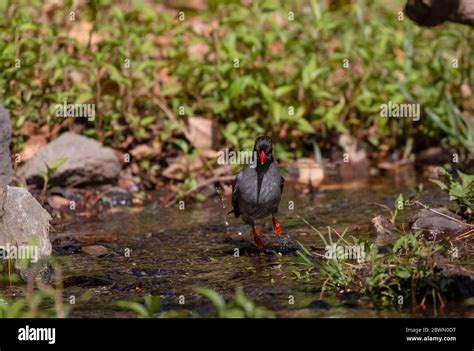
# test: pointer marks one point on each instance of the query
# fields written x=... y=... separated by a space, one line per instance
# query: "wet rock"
x=438 y=224
x=66 y=246
x=382 y=226
x=86 y=161
x=41 y=270
x=449 y=269
x=457 y=281
x=116 y=197
x=432 y=156
x=95 y=250
x=384 y=230
x=320 y=305
x=24 y=220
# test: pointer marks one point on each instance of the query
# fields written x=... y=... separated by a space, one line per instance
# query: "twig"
x=342 y=238
x=442 y=214
x=465 y=235
x=387 y=208
x=323 y=288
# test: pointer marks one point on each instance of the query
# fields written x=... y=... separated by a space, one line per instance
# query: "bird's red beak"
x=262 y=157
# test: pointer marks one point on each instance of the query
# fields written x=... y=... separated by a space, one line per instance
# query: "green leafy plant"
x=272 y=79
x=38 y=299
x=402 y=275
x=459 y=130
x=239 y=307
x=149 y=309
x=335 y=270
x=460 y=190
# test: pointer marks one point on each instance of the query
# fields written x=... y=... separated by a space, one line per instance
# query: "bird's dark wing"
x=235 y=197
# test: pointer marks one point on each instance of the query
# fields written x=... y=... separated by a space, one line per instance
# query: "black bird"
x=256 y=191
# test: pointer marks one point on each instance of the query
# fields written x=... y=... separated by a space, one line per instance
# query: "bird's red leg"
x=276 y=226
x=258 y=240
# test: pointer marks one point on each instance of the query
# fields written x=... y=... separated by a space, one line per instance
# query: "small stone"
x=320 y=305
x=116 y=197
x=438 y=223
x=382 y=226
x=95 y=250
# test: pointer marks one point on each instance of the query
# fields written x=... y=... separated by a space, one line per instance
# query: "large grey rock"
x=87 y=161
x=5 y=161
x=24 y=220
x=24 y=224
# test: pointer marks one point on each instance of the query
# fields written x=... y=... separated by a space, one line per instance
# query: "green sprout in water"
x=50 y=171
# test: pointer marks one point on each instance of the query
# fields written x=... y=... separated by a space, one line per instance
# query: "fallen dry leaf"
x=465 y=90
x=202 y=132
x=81 y=31
x=57 y=202
x=197 y=51
x=32 y=146
x=142 y=151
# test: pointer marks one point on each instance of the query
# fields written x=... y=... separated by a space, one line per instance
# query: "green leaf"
x=147 y=120
x=439 y=183
x=305 y=126
x=216 y=299
x=403 y=274
x=134 y=306
x=400 y=202
x=243 y=301
x=267 y=93
x=238 y=86
x=209 y=87
x=152 y=303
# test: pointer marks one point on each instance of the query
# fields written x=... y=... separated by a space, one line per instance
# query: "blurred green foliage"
x=274 y=67
x=239 y=307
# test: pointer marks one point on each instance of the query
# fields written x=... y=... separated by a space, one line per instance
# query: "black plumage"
x=256 y=192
